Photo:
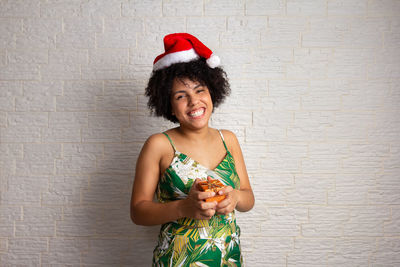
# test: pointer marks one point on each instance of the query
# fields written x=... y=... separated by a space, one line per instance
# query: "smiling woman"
x=185 y=86
x=191 y=103
x=159 y=88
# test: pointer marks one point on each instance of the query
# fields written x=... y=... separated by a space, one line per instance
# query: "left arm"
x=242 y=199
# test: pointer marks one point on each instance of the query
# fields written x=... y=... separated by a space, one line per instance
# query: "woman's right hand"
x=195 y=206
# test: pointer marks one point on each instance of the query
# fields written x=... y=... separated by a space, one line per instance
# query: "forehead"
x=184 y=84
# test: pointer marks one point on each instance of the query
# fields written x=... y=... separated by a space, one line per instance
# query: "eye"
x=200 y=90
x=179 y=97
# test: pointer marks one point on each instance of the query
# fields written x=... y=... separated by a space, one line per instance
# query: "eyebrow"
x=183 y=91
x=177 y=92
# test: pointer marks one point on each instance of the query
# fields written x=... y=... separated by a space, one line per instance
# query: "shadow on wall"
x=120 y=241
x=108 y=154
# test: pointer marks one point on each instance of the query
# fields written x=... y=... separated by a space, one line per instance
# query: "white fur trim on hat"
x=176 y=57
x=213 y=61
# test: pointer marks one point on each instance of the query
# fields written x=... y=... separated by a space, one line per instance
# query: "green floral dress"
x=191 y=242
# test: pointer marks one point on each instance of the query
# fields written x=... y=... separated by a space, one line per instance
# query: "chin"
x=196 y=124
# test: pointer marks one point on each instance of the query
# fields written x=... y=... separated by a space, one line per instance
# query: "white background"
x=314 y=103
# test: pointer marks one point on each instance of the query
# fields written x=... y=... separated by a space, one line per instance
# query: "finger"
x=196 y=182
x=224 y=211
x=208 y=213
x=205 y=217
x=203 y=205
x=203 y=195
x=196 y=186
x=225 y=190
x=224 y=203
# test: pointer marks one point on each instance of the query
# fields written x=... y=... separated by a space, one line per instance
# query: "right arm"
x=144 y=211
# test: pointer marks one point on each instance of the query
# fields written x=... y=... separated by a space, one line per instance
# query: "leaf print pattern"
x=190 y=242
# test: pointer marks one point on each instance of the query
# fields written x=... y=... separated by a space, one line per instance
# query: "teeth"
x=197 y=113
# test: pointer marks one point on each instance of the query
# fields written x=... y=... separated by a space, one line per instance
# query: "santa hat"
x=184 y=47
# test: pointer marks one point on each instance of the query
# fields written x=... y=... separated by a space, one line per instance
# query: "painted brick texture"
x=315 y=105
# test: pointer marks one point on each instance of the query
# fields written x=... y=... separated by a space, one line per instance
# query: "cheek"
x=209 y=100
x=209 y=97
x=173 y=107
x=177 y=106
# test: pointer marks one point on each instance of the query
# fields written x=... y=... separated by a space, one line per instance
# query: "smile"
x=196 y=113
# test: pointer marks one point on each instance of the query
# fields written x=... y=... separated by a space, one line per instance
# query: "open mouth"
x=196 y=113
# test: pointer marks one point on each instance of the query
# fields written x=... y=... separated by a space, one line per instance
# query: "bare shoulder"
x=230 y=139
x=157 y=144
x=157 y=139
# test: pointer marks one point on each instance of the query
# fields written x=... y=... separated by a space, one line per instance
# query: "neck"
x=194 y=135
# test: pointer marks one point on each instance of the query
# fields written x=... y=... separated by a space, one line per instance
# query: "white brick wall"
x=315 y=105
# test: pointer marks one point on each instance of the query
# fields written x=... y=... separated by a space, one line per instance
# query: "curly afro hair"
x=160 y=84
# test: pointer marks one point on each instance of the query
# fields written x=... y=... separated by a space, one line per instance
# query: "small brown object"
x=212 y=185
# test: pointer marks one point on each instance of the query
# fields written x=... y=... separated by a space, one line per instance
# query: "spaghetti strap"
x=172 y=143
x=175 y=184
x=223 y=140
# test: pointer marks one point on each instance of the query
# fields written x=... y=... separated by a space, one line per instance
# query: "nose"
x=193 y=100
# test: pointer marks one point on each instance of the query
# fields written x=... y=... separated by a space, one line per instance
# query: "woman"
x=185 y=86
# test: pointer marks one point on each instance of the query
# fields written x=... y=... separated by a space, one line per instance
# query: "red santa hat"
x=184 y=47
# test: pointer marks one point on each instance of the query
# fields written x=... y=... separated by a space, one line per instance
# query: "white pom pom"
x=213 y=61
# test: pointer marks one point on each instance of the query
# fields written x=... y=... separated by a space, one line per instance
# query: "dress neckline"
x=177 y=153
x=198 y=163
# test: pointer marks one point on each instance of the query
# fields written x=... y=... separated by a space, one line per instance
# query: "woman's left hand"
x=227 y=205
